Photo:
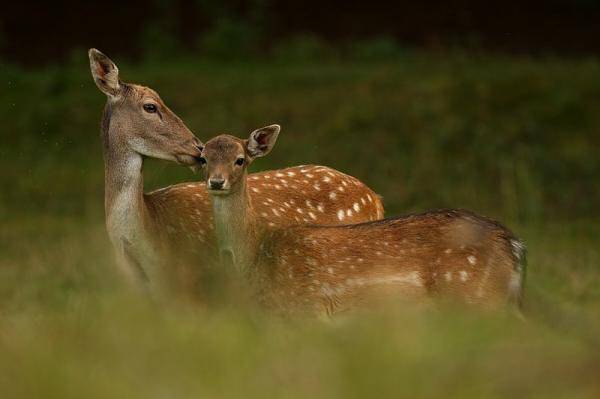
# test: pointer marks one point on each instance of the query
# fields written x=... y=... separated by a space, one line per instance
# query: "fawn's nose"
x=216 y=183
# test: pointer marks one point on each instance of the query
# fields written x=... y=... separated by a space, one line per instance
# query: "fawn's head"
x=226 y=158
x=146 y=125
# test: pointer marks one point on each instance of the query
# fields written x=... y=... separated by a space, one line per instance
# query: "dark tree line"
x=40 y=32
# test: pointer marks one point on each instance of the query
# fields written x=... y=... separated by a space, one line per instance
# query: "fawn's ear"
x=262 y=140
x=105 y=73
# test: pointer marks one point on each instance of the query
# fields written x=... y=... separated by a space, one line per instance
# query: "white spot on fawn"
x=472 y=260
x=340 y=214
x=356 y=207
x=463 y=275
x=312 y=215
x=448 y=276
x=256 y=190
x=332 y=195
x=326 y=179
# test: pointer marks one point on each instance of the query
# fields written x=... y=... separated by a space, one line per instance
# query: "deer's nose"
x=216 y=184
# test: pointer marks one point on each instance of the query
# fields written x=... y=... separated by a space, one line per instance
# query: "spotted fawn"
x=444 y=255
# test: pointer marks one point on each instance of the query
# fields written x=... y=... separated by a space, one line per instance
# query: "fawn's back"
x=450 y=254
x=306 y=194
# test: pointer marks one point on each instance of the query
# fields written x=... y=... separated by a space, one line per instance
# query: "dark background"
x=45 y=32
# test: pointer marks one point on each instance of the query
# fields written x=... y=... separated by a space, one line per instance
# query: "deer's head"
x=144 y=123
x=226 y=158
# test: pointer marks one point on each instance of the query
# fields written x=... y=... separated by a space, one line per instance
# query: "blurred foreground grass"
x=513 y=139
x=67 y=331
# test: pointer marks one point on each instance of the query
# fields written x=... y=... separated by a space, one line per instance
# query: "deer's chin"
x=219 y=192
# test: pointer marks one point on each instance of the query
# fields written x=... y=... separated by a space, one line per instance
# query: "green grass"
x=514 y=139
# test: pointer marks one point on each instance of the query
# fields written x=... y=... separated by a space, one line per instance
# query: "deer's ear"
x=105 y=73
x=262 y=140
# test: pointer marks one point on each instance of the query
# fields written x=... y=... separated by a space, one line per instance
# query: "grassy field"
x=514 y=139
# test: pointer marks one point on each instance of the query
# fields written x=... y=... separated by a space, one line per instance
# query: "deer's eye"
x=150 y=108
x=239 y=161
x=202 y=161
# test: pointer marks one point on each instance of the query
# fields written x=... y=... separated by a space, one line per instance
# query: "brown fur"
x=182 y=222
x=164 y=237
x=448 y=254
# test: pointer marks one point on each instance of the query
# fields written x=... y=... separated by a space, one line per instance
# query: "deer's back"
x=447 y=253
x=281 y=198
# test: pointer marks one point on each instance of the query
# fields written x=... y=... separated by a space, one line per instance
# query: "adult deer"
x=149 y=231
x=450 y=254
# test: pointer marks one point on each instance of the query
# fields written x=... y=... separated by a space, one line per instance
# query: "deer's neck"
x=124 y=203
x=235 y=228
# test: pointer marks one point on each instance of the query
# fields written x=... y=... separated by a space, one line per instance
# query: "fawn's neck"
x=235 y=227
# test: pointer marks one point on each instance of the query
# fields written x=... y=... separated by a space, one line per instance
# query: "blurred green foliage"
x=229 y=40
x=303 y=49
x=515 y=139
x=67 y=331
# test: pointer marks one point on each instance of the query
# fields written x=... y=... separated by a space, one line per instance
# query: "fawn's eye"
x=202 y=161
x=239 y=161
x=150 y=108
